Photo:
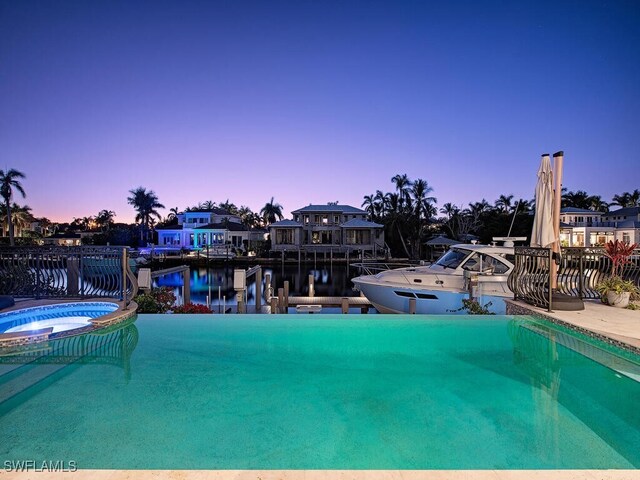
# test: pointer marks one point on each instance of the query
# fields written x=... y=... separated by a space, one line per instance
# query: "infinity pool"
x=324 y=392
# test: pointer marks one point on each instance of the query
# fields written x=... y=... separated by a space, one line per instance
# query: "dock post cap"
x=558 y=154
x=545 y=155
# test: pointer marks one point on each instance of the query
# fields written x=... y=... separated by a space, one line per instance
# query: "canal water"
x=217 y=282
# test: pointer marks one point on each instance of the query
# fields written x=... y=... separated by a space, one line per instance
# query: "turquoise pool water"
x=356 y=392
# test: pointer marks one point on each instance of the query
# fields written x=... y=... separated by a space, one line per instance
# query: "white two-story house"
x=586 y=228
x=324 y=228
x=199 y=228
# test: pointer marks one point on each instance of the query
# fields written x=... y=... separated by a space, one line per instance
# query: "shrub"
x=159 y=300
x=473 y=307
x=192 y=308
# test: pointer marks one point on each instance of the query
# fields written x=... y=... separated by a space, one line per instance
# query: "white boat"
x=440 y=288
x=218 y=252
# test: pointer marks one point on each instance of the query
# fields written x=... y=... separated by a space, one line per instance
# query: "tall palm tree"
x=271 y=211
x=597 y=204
x=146 y=204
x=369 y=205
x=504 y=203
x=21 y=218
x=208 y=205
x=229 y=207
x=422 y=202
x=9 y=181
x=449 y=209
x=173 y=213
x=104 y=219
x=403 y=186
x=627 y=199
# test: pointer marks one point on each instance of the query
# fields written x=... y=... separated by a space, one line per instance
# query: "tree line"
x=408 y=213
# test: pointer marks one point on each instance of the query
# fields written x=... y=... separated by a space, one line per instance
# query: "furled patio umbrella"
x=543 y=234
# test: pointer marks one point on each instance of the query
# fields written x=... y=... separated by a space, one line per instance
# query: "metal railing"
x=67 y=272
x=579 y=272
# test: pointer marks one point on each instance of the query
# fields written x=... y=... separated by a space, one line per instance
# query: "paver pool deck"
x=329 y=475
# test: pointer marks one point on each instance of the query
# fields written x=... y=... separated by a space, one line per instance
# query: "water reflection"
x=55 y=359
x=562 y=369
x=217 y=283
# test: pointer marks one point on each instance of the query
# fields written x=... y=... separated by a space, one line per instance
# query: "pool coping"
x=596 y=321
x=328 y=474
x=31 y=337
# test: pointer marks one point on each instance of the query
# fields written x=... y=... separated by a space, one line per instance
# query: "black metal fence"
x=579 y=272
x=72 y=272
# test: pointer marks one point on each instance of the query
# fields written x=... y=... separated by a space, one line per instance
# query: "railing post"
x=550 y=258
x=81 y=271
x=38 y=270
x=581 y=275
x=515 y=273
x=123 y=278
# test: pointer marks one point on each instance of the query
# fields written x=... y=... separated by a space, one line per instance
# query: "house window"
x=295 y=218
x=358 y=237
x=336 y=219
x=306 y=219
x=626 y=237
x=316 y=219
x=325 y=220
x=284 y=236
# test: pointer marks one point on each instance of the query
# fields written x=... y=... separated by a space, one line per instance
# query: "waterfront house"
x=586 y=228
x=200 y=227
x=67 y=239
x=328 y=228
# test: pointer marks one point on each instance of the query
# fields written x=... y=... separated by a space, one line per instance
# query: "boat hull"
x=395 y=299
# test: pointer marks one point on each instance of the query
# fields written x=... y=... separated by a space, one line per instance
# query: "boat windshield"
x=486 y=264
x=453 y=258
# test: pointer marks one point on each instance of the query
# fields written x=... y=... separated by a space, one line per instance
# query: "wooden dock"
x=329 y=301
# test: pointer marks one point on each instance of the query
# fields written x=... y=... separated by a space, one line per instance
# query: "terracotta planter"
x=620 y=300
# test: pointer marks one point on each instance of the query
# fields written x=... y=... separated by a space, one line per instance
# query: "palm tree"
x=229 y=207
x=145 y=203
x=21 y=218
x=173 y=213
x=422 y=202
x=271 y=211
x=597 y=204
x=504 y=203
x=627 y=199
x=369 y=204
x=9 y=181
x=449 y=209
x=403 y=185
x=208 y=205
x=104 y=219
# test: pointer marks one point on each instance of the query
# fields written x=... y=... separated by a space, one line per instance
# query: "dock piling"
x=311 y=288
x=286 y=296
x=345 y=305
x=281 y=299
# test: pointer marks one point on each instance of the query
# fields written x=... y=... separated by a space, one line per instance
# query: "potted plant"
x=616 y=291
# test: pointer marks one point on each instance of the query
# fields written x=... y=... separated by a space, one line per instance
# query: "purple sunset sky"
x=313 y=101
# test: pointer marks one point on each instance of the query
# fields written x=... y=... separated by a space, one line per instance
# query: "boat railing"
x=579 y=270
x=373 y=268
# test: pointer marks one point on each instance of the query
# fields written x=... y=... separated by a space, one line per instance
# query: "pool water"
x=61 y=317
x=326 y=392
